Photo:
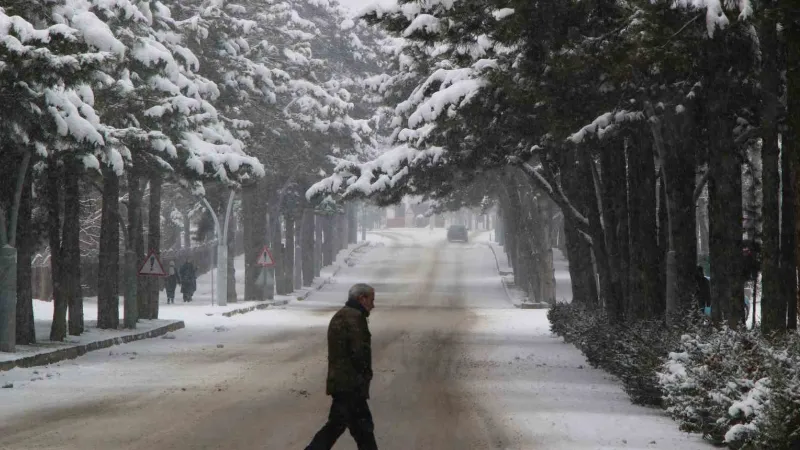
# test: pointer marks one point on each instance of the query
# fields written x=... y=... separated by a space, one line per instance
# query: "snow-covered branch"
x=604 y=124
x=554 y=191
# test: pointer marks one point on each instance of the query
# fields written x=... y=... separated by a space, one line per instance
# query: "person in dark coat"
x=188 y=281
x=703 y=289
x=173 y=278
x=349 y=373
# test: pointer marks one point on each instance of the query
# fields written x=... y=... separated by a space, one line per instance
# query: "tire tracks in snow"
x=268 y=393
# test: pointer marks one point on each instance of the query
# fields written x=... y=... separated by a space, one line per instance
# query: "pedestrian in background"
x=188 y=280
x=173 y=278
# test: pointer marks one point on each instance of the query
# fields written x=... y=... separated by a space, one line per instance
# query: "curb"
x=254 y=308
x=328 y=280
x=523 y=305
x=356 y=248
x=43 y=359
x=502 y=278
x=300 y=297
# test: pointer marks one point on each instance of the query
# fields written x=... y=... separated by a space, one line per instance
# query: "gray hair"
x=359 y=290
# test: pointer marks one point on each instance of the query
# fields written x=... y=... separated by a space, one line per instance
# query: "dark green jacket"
x=349 y=352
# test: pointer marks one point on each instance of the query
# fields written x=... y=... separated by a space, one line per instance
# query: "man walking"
x=349 y=373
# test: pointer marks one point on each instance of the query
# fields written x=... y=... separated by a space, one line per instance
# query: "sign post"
x=267 y=262
x=152 y=266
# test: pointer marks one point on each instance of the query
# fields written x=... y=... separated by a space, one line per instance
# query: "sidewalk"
x=172 y=317
x=517 y=296
x=201 y=301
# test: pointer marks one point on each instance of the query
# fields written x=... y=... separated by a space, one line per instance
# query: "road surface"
x=455 y=369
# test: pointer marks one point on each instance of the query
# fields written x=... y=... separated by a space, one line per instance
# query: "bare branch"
x=555 y=192
x=751 y=133
x=682 y=28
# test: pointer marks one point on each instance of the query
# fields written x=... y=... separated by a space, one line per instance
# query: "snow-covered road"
x=456 y=368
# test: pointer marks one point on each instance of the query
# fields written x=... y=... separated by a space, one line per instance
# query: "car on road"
x=457 y=233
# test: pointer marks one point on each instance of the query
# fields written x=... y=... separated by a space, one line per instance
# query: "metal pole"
x=218 y=230
x=211 y=269
x=221 y=288
x=222 y=256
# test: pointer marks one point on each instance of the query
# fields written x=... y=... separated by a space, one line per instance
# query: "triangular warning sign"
x=265 y=258
x=152 y=266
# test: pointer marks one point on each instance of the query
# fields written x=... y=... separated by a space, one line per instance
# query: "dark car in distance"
x=457 y=233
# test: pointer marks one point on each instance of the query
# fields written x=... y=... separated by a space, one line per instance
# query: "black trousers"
x=347 y=412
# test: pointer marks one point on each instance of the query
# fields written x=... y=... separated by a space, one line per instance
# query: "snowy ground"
x=193 y=313
x=560 y=264
x=456 y=367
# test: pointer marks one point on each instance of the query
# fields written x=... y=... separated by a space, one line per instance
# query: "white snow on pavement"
x=527 y=379
x=544 y=386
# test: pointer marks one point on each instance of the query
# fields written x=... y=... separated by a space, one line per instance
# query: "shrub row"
x=735 y=387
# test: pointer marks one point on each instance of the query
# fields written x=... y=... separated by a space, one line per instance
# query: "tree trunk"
x=788 y=242
x=609 y=280
x=25 y=329
x=327 y=245
x=132 y=257
x=70 y=243
x=615 y=217
x=702 y=225
x=285 y=270
x=515 y=247
x=131 y=308
x=725 y=236
x=679 y=165
x=352 y=223
x=499 y=230
x=725 y=219
x=343 y=231
x=308 y=245
x=289 y=256
x=318 y=243
x=581 y=271
x=646 y=296
x=546 y=267
x=579 y=253
x=773 y=304
x=298 y=256
x=534 y=241
x=136 y=236
x=58 y=329
x=364 y=222
x=511 y=218
x=154 y=242
x=339 y=235
x=791 y=148
x=254 y=221
x=276 y=238
x=187 y=232
x=108 y=273
x=673 y=138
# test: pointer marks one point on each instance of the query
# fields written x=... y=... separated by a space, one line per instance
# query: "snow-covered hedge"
x=735 y=387
x=632 y=352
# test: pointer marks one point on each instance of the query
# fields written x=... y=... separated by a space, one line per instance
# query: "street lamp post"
x=222 y=250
